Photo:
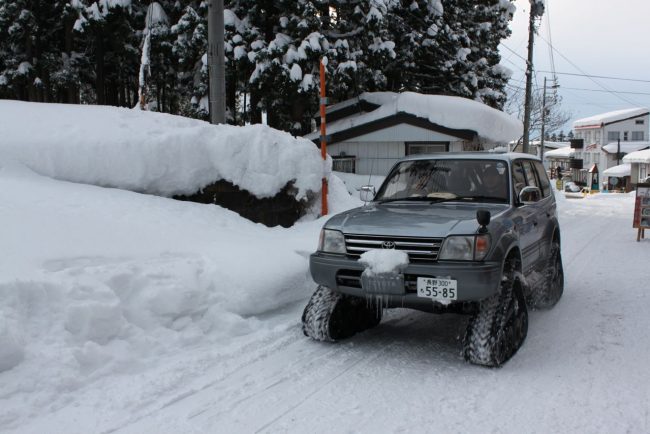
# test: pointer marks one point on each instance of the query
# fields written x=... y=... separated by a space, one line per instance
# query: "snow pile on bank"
x=154 y=153
x=102 y=283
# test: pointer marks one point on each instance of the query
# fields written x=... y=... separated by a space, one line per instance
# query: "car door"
x=527 y=217
x=548 y=210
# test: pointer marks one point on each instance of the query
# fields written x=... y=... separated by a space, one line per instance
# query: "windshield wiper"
x=480 y=198
x=412 y=198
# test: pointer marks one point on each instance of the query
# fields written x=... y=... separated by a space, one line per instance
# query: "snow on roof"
x=609 y=117
x=626 y=147
x=620 y=170
x=638 y=157
x=560 y=153
x=453 y=112
x=154 y=153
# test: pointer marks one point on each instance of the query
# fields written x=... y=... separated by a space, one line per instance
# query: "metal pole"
x=323 y=134
x=541 y=153
x=216 y=63
x=529 y=78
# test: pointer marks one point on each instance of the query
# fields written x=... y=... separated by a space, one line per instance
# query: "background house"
x=368 y=134
x=599 y=136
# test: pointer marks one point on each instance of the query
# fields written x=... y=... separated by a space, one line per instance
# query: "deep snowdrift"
x=100 y=282
x=154 y=153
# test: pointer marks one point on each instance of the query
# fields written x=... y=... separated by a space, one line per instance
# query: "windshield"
x=447 y=180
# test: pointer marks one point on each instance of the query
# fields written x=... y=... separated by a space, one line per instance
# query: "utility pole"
x=541 y=153
x=536 y=9
x=216 y=63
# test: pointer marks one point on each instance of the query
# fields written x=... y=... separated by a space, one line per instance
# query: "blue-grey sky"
x=600 y=37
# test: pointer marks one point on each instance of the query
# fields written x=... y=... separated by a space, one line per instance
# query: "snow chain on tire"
x=500 y=327
x=330 y=316
x=552 y=287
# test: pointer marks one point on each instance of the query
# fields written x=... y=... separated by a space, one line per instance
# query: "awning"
x=560 y=154
x=619 y=171
x=594 y=169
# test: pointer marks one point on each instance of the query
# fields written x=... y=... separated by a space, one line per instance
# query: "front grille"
x=352 y=278
x=420 y=250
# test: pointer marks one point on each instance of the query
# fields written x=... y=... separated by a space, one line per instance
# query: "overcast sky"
x=601 y=37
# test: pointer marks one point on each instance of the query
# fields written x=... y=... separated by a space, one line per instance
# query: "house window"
x=625 y=136
x=639 y=122
x=346 y=164
x=637 y=136
x=613 y=136
x=426 y=147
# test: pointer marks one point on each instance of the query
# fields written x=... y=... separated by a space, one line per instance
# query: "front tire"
x=332 y=316
x=499 y=328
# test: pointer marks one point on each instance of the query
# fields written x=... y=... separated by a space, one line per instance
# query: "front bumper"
x=476 y=280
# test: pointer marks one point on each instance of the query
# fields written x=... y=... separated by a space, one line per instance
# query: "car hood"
x=419 y=219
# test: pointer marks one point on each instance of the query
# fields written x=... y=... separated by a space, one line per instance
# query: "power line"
x=587 y=75
x=514 y=52
x=599 y=76
x=607 y=91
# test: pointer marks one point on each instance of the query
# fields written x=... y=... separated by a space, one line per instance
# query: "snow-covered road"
x=583 y=367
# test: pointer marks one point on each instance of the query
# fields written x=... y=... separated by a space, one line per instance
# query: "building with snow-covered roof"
x=597 y=141
x=639 y=162
x=369 y=133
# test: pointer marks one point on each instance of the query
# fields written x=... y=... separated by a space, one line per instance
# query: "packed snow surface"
x=453 y=112
x=560 y=153
x=154 y=153
x=382 y=261
x=614 y=116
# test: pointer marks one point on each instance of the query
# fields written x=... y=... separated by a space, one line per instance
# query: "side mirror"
x=530 y=194
x=367 y=193
x=483 y=218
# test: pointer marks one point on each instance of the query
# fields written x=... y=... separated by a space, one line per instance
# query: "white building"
x=600 y=135
x=368 y=134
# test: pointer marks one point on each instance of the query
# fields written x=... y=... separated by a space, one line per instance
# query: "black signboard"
x=577 y=143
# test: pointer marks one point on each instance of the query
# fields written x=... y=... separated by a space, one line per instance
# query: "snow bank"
x=448 y=111
x=110 y=283
x=154 y=153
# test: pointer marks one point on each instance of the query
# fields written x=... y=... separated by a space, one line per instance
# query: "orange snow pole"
x=323 y=135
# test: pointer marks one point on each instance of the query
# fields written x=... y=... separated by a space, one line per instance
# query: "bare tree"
x=555 y=119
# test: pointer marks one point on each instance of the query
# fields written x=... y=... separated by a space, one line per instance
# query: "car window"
x=531 y=179
x=544 y=183
x=518 y=177
x=447 y=179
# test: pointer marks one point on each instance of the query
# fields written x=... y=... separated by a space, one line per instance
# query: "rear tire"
x=552 y=287
x=499 y=328
x=332 y=316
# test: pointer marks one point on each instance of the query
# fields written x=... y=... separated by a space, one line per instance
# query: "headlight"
x=331 y=241
x=465 y=248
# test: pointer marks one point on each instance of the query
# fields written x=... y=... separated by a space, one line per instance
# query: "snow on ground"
x=98 y=285
x=154 y=153
x=123 y=312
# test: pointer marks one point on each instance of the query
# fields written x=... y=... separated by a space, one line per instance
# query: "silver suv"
x=466 y=233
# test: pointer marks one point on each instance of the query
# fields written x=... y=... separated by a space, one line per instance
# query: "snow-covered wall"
x=154 y=153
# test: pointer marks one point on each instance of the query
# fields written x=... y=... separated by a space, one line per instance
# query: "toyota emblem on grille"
x=388 y=245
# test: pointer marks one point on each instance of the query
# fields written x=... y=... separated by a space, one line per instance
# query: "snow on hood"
x=154 y=153
x=449 y=111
